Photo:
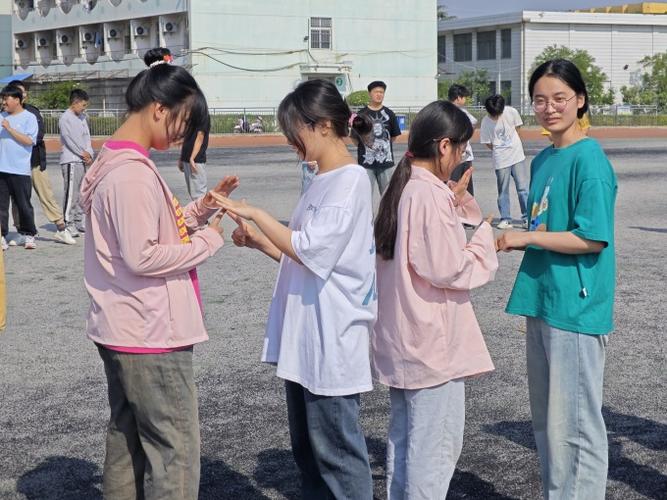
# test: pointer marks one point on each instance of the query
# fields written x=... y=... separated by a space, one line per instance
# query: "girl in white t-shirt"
x=324 y=302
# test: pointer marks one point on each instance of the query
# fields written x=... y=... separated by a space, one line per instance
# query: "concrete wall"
x=5 y=38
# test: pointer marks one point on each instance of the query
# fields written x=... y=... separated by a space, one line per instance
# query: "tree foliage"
x=358 y=98
x=477 y=83
x=593 y=75
x=55 y=96
x=652 y=86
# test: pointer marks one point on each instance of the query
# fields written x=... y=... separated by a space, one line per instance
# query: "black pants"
x=459 y=171
x=19 y=189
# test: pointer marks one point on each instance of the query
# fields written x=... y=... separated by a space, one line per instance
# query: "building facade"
x=507 y=45
x=243 y=54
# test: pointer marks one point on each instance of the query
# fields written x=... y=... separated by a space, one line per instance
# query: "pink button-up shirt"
x=426 y=333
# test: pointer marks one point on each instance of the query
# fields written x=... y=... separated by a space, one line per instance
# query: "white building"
x=243 y=53
x=507 y=45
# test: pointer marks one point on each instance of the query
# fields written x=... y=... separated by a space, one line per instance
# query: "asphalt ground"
x=53 y=407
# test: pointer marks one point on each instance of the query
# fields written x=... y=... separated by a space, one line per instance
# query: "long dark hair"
x=173 y=87
x=437 y=121
x=565 y=71
x=312 y=102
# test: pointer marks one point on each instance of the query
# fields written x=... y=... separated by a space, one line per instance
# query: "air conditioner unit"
x=64 y=39
x=170 y=27
x=140 y=31
x=88 y=37
x=21 y=44
x=113 y=33
x=25 y=4
x=43 y=42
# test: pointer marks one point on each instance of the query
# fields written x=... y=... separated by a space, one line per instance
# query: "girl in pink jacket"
x=141 y=251
x=426 y=340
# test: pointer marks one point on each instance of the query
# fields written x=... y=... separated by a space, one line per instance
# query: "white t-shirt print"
x=322 y=311
x=502 y=134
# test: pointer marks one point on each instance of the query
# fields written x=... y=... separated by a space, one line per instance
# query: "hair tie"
x=166 y=59
x=351 y=120
x=409 y=154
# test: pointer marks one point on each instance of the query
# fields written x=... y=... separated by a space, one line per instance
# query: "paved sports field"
x=53 y=406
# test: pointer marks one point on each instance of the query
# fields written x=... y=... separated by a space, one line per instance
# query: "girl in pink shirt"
x=141 y=251
x=426 y=340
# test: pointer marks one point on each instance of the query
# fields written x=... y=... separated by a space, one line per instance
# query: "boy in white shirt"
x=499 y=131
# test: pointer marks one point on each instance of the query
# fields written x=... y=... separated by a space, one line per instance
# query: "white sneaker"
x=4 y=244
x=29 y=242
x=18 y=241
x=504 y=224
x=71 y=229
x=524 y=224
x=65 y=237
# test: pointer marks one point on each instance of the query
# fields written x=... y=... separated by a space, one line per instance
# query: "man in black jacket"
x=40 y=177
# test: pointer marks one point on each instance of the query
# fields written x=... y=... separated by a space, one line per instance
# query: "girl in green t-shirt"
x=565 y=287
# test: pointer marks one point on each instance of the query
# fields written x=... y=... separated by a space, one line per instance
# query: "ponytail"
x=386 y=224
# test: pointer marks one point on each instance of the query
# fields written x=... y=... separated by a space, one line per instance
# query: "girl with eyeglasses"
x=426 y=340
x=565 y=287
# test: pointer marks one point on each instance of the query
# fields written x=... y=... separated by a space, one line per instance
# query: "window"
x=442 y=50
x=506 y=44
x=320 y=33
x=463 y=47
x=506 y=91
x=486 y=45
x=492 y=88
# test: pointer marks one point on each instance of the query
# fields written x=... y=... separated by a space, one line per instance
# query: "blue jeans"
x=379 y=177
x=425 y=440
x=521 y=175
x=152 y=445
x=565 y=377
x=328 y=445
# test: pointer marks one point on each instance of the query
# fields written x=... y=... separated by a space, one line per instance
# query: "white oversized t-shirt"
x=502 y=134
x=322 y=311
x=467 y=154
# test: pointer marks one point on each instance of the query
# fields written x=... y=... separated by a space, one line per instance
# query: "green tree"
x=358 y=98
x=652 y=87
x=592 y=73
x=477 y=83
x=54 y=96
x=443 y=15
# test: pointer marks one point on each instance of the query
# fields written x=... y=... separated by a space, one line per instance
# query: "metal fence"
x=104 y=122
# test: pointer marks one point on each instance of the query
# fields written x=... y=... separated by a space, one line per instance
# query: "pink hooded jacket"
x=136 y=264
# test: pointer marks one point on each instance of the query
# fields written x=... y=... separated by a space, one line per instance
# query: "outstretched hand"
x=224 y=187
x=215 y=223
x=240 y=208
x=512 y=240
x=245 y=235
x=459 y=188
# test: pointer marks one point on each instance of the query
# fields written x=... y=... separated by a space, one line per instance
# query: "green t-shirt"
x=571 y=189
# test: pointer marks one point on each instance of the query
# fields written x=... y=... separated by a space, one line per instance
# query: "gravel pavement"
x=53 y=407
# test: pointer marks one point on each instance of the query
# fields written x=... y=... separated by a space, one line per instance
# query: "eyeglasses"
x=559 y=104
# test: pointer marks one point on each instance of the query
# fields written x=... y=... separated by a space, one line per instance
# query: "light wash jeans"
x=521 y=174
x=565 y=377
x=379 y=177
x=425 y=440
x=152 y=445
x=328 y=445
x=196 y=182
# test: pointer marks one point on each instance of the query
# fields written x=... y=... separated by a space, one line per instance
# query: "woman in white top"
x=324 y=302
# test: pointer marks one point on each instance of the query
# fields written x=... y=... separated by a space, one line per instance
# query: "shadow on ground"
x=649 y=434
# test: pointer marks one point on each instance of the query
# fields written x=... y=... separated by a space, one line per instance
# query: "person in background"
x=75 y=157
x=457 y=95
x=193 y=160
x=377 y=157
x=41 y=182
x=18 y=135
x=500 y=133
